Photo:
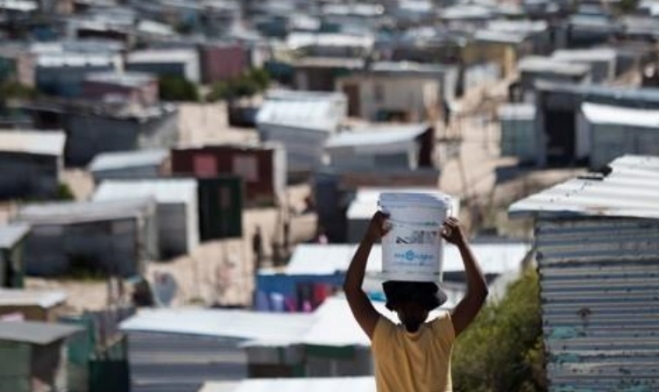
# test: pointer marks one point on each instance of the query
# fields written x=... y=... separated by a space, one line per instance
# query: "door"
x=352 y=92
x=560 y=131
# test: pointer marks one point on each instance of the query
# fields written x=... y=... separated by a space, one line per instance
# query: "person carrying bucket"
x=414 y=356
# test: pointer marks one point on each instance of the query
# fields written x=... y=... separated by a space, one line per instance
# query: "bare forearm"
x=357 y=269
x=476 y=283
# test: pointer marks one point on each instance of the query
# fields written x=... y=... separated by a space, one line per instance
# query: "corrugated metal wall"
x=176 y=363
x=600 y=303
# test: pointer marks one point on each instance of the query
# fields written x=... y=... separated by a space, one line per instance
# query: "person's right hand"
x=379 y=226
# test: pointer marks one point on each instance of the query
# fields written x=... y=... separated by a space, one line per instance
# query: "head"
x=411 y=314
x=412 y=301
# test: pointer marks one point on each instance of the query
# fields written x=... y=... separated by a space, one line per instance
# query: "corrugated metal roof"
x=21 y=297
x=238 y=324
x=334 y=384
x=549 y=65
x=76 y=59
x=636 y=166
x=303 y=110
x=500 y=36
x=127 y=159
x=127 y=79
x=162 y=56
x=585 y=55
x=365 y=203
x=593 y=92
x=336 y=326
x=79 y=212
x=19 y=5
x=607 y=114
x=524 y=26
x=328 y=259
x=520 y=111
x=598 y=269
x=33 y=142
x=162 y=190
x=299 y=40
x=12 y=233
x=35 y=333
x=374 y=137
x=613 y=195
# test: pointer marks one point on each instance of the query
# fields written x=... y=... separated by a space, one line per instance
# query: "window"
x=205 y=165
x=246 y=167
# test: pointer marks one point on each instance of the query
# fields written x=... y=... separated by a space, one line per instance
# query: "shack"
x=110 y=237
x=394 y=147
x=33 y=356
x=177 y=209
x=262 y=168
x=597 y=239
x=301 y=121
x=12 y=242
x=32 y=305
x=130 y=165
x=518 y=131
x=30 y=163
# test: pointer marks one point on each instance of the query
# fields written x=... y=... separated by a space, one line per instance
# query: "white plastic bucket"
x=413 y=249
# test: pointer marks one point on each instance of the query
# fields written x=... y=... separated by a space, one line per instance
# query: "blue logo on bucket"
x=412 y=256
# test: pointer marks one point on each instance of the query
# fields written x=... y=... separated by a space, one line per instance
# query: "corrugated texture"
x=338 y=384
x=600 y=300
x=175 y=363
x=614 y=195
x=598 y=258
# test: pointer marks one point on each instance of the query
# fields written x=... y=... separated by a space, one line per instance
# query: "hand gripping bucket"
x=413 y=248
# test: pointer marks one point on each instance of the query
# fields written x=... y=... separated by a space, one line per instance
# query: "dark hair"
x=423 y=293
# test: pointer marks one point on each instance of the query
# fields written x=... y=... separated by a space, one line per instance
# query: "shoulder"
x=442 y=327
x=383 y=333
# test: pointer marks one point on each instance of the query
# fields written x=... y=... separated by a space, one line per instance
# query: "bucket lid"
x=430 y=199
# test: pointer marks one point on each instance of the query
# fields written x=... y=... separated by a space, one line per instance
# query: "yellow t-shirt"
x=413 y=362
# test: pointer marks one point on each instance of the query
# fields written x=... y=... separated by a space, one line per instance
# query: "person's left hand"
x=453 y=232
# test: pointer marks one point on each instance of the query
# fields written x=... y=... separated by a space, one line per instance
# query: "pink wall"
x=223 y=62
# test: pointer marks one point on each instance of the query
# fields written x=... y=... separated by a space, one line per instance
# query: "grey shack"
x=115 y=237
x=30 y=163
x=33 y=356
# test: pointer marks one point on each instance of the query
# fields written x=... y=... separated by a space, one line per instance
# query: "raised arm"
x=465 y=312
x=360 y=305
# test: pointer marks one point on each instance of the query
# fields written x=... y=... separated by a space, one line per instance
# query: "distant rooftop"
x=11 y=234
x=34 y=332
x=162 y=190
x=585 y=55
x=361 y=384
x=161 y=55
x=127 y=159
x=127 y=79
x=377 y=136
x=299 y=40
x=58 y=213
x=41 y=298
x=539 y=64
x=33 y=142
x=516 y=111
x=303 y=109
x=607 y=114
